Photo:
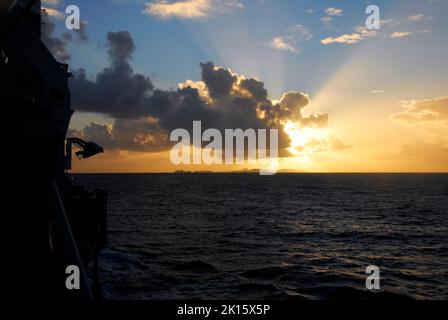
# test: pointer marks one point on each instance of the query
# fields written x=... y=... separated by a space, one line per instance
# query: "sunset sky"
x=345 y=98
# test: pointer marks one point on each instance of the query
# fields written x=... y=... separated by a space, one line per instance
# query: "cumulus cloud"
x=359 y=33
x=117 y=90
x=292 y=37
x=145 y=115
x=139 y=135
x=400 y=34
x=218 y=81
x=291 y=106
x=191 y=9
x=423 y=110
x=280 y=43
x=334 y=11
x=345 y=38
x=315 y=145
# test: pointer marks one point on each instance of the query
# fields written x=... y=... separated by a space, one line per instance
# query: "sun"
x=305 y=141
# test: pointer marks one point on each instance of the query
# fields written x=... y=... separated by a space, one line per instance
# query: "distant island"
x=242 y=171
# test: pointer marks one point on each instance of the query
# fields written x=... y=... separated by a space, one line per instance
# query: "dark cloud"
x=58 y=45
x=118 y=90
x=121 y=47
x=219 y=81
x=132 y=135
x=145 y=116
x=255 y=88
x=291 y=107
x=82 y=32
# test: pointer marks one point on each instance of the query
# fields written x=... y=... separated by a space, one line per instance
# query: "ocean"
x=288 y=236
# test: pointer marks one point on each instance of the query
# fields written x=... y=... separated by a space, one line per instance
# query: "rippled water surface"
x=244 y=236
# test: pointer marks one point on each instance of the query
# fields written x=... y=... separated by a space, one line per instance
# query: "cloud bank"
x=145 y=115
x=429 y=119
x=423 y=110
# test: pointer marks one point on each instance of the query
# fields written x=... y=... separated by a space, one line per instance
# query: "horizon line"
x=280 y=172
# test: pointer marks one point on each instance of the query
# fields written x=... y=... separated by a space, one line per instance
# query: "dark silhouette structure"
x=54 y=223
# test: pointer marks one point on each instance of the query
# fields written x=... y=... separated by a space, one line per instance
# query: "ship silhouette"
x=54 y=223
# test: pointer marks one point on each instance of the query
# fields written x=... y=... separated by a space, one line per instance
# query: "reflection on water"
x=288 y=236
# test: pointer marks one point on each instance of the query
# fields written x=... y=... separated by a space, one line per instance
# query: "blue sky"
x=170 y=49
x=318 y=47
